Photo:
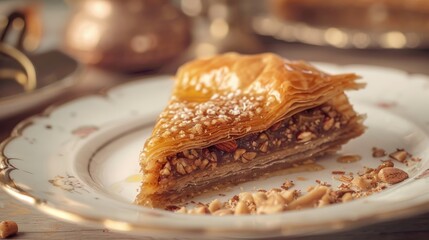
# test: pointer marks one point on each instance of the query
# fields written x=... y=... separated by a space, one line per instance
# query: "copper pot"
x=127 y=35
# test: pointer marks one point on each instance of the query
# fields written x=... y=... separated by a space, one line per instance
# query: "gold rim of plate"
x=8 y=185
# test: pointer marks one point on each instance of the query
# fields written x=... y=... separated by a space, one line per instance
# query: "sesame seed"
x=166 y=134
x=234 y=112
x=198 y=128
x=210 y=112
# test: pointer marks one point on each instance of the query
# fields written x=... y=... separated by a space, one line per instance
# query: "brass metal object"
x=28 y=37
x=128 y=35
x=27 y=80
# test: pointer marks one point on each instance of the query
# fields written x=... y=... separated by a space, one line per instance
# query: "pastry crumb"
x=353 y=186
x=399 y=155
x=287 y=185
x=371 y=180
x=378 y=152
x=321 y=183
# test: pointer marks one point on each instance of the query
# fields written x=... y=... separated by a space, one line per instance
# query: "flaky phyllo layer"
x=229 y=97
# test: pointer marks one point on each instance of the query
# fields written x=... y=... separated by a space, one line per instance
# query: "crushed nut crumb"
x=378 y=152
x=392 y=175
x=8 y=228
x=399 y=155
x=288 y=184
x=369 y=181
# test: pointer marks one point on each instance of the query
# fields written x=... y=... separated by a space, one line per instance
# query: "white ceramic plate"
x=79 y=162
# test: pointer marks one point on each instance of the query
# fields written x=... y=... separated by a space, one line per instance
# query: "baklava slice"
x=232 y=118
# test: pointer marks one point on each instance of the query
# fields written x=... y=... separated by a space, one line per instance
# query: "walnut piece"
x=8 y=228
x=378 y=152
x=215 y=205
x=309 y=199
x=229 y=146
x=400 y=155
x=241 y=208
x=392 y=175
x=361 y=183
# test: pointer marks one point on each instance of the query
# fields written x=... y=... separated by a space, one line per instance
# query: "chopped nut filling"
x=298 y=129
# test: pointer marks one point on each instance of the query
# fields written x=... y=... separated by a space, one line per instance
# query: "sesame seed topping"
x=211 y=112
x=198 y=128
x=219 y=109
x=234 y=112
x=166 y=134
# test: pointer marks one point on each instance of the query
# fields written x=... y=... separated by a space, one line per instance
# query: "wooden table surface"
x=35 y=225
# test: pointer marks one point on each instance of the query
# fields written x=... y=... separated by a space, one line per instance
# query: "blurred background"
x=53 y=50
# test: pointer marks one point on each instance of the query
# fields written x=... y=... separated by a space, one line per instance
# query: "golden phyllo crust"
x=230 y=96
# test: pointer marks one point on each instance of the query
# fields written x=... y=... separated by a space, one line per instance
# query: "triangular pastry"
x=232 y=118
